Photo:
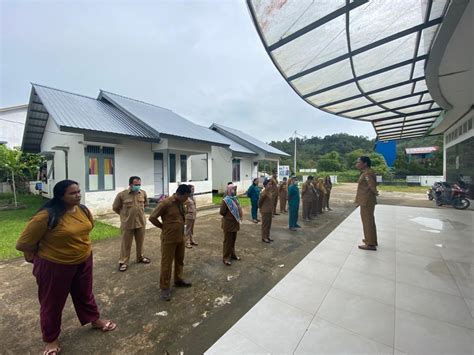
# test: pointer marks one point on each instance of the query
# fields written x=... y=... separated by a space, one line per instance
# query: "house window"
x=235 y=169
x=183 y=159
x=100 y=168
x=172 y=168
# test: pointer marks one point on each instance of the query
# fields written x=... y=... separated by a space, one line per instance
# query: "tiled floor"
x=414 y=295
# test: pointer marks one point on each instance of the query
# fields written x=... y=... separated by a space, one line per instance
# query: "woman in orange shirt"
x=56 y=240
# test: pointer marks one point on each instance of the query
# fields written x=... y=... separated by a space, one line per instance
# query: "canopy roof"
x=358 y=59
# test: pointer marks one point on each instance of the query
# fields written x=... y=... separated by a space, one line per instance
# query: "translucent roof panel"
x=360 y=59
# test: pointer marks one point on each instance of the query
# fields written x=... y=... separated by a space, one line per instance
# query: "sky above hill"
x=202 y=59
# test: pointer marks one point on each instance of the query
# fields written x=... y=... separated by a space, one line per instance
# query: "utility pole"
x=294 y=156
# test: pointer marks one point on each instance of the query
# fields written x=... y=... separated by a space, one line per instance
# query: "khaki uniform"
x=274 y=190
x=131 y=208
x=315 y=199
x=328 y=186
x=265 y=204
x=230 y=226
x=172 y=214
x=307 y=196
x=283 y=194
x=366 y=199
x=191 y=213
x=321 y=195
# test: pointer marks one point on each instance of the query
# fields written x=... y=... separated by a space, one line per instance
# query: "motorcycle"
x=446 y=194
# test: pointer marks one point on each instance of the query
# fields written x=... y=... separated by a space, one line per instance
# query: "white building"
x=101 y=142
x=239 y=161
x=12 y=124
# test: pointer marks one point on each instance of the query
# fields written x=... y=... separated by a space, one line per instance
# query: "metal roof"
x=359 y=59
x=75 y=112
x=234 y=146
x=162 y=120
x=245 y=139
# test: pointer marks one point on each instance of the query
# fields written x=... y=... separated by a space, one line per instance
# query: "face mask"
x=136 y=188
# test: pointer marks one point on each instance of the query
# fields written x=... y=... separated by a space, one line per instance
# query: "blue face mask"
x=136 y=188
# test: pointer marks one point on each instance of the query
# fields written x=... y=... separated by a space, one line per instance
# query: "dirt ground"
x=196 y=317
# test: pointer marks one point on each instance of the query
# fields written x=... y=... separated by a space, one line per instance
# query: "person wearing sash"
x=231 y=213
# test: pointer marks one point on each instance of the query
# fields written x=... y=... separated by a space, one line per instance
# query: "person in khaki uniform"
x=307 y=197
x=328 y=186
x=172 y=213
x=191 y=213
x=283 y=194
x=366 y=198
x=274 y=190
x=321 y=194
x=315 y=199
x=231 y=213
x=130 y=205
x=265 y=204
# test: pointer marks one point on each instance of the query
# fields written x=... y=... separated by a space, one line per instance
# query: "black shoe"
x=182 y=283
x=165 y=295
x=266 y=240
x=235 y=257
x=270 y=239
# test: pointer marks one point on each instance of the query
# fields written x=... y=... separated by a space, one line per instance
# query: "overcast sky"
x=202 y=59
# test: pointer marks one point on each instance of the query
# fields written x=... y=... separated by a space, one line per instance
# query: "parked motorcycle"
x=446 y=194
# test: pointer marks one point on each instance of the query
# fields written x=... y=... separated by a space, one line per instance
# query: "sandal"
x=145 y=260
x=194 y=243
x=123 y=267
x=108 y=326
x=235 y=257
x=53 y=351
x=189 y=246
x=227 y=262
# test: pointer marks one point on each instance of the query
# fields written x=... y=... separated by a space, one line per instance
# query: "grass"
x=13 y=222
x=403 y=188
x=217 y=199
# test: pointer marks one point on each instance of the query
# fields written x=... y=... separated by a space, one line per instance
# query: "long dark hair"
x=56 y=206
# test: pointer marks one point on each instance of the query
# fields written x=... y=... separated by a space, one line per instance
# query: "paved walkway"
x=415 y=295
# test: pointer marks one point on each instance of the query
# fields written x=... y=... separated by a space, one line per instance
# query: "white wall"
x=76 y=165
x=12 y=125
x=132 y=157
x=199 y=167
x=222 y=168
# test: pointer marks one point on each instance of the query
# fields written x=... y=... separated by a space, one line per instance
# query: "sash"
x=233 y=206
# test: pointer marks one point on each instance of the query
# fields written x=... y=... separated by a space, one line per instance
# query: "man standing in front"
x=172 y=213
x=130 y=205
x=366 y=199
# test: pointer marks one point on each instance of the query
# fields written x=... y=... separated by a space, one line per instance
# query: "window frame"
x=172 y=168
x=236 y=163
x=104 y=152
x=183 y=163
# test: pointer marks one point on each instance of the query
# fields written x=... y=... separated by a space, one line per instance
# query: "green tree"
x=18 y=167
